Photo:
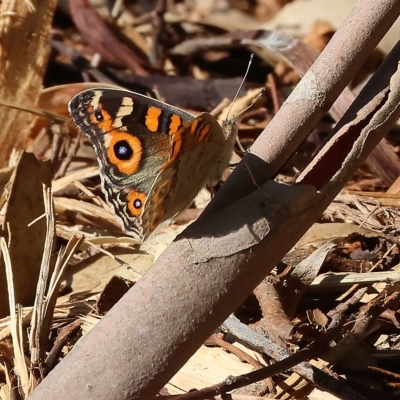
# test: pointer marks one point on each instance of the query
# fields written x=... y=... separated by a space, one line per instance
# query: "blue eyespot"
x=98 y=115
x=122 y=150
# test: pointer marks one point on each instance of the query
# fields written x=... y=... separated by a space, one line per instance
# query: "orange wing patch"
x=152 y=119
x=193 y=125
x=187 y=137
x=205 y=130
x=175 y=124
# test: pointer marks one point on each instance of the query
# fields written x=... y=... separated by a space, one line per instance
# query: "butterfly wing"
x=196 y=152
x=154 y=158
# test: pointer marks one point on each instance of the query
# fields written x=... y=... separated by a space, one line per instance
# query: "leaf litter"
x=66 y=261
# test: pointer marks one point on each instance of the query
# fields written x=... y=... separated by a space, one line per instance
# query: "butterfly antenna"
x=252 y=104
x=241 y=84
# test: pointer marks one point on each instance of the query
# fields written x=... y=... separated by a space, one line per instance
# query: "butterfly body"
x=154 y=158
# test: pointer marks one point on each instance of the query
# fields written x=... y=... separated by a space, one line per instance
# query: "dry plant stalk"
x=37 y=340
x=20 y=367
x=211 y=268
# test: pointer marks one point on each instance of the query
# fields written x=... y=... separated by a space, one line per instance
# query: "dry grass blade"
x=39 y=112
x=74 y=176
x=63 y=258
x=335 y=280
x=4 y=392
x=37 y=339
x=85 y=212
x=20 y=368
x=71 y=306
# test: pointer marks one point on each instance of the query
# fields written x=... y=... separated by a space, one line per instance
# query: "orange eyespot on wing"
x=136 y=202
x=100 y=117
x=124 y=151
